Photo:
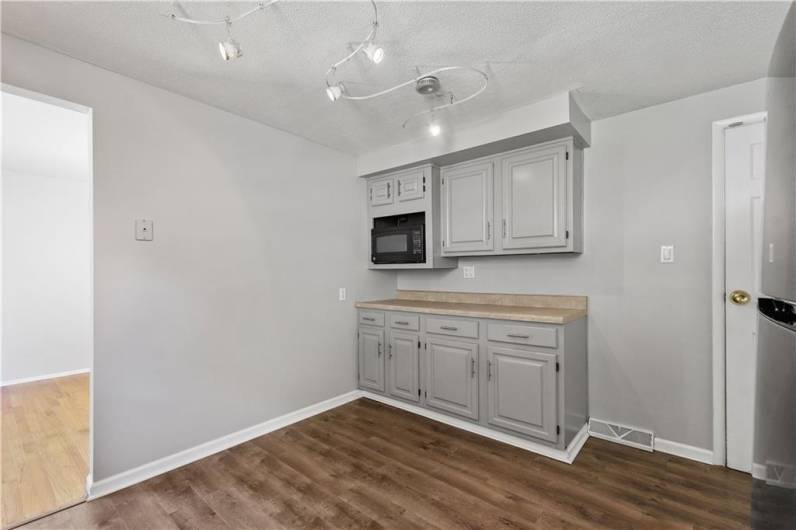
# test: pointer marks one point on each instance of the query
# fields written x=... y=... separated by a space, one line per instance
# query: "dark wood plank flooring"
x=367 y=465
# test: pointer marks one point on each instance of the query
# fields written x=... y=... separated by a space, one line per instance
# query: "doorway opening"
x=738 y=184
x=47 y=304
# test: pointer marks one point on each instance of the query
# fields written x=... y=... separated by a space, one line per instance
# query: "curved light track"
x=226 y=20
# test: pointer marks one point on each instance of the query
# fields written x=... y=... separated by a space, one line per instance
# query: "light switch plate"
x=341 y=294
x=667 y=253
x=468 y=271
x=143 y=230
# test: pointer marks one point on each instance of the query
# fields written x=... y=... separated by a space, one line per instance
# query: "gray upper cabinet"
x=467 y=207
x=527 y=201
x=371 y=358
x=381 y=192
x=452 y=376
x=534 y=198
x=410 y=186
x=522 y=391
x=403 y=358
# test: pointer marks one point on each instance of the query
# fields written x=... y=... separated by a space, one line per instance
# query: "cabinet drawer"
x=371 y=318
x=401 y=321
x=521 y=334
x=459 y=328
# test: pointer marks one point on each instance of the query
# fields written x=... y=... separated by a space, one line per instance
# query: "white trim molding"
x=718 y=286
x=33 y=379
x=690 y=452
x=167 y=463
x=568 y=455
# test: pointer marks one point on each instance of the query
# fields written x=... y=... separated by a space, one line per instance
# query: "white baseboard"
x=162 y=465
x=45 y=376
x=686 y=451
x=567 y=456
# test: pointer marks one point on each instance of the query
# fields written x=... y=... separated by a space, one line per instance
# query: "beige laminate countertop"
x=548 y=315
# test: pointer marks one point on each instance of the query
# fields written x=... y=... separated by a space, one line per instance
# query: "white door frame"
x=88 y=111
x=718 y=285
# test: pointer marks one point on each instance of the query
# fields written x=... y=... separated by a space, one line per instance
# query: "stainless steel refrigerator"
x=774 y=453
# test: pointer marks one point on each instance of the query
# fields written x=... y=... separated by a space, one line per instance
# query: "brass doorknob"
x=739 y=297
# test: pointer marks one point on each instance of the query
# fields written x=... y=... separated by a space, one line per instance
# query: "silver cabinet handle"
x=449 y=328
x=489 y=370
x=402 y=322
x=369 y=319
x=504 y=229
x=517 y=336
x=472 y=366
x=488 y=230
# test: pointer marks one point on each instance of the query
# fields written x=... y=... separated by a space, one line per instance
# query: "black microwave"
x=398 y=239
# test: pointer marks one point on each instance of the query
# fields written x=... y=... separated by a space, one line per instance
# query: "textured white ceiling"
x=619 y=56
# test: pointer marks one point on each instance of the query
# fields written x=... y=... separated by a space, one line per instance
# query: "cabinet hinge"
x=418 y=345
x=567 y=155
x=424 y=183
x=558 y=367
x=443 y=181
x=558 y=429
x=418 y=392
x=371 y=194
x=566 y=234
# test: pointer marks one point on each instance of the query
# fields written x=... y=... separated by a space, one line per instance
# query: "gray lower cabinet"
x=522 y=391
x=403 y=360
x=371 y=358
x=451 y=376
x=527 y=379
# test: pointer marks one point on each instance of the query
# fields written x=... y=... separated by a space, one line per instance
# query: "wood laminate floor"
x=44 y=446
x=367 y=465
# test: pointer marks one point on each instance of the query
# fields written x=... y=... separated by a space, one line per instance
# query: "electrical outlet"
x=143 y=230
x=667 y=254
x=468 y=271
x=341 y=294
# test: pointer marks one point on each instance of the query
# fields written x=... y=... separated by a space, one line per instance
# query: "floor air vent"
x=621 y=434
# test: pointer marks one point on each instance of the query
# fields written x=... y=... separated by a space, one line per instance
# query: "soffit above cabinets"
x=557 y=117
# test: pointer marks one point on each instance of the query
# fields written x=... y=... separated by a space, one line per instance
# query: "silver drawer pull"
x=449 y=328
x=515 y=336
x=369 y=319
x=402 y=322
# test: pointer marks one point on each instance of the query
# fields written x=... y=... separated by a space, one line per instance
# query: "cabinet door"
x=452 y=376
x=522 y=391
x=371 y=359
x=380 y=192
x=534 y=185
x=410 y=186
x=467 y=208
x=403 y=360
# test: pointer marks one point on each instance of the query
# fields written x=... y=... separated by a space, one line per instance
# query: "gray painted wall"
x=647 y=183
x=203 y=331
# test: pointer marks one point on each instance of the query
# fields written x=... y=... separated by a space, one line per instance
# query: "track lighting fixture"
x=374 y=53
x=434 y=129
x=229 y=48
x=334 y=91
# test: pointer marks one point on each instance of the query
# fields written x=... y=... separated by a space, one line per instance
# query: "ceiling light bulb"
x=374 y=53
x=434 y=129
x=334 y=92
x=230 y=49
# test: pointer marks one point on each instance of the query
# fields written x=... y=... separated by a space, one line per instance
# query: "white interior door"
x=744 y=173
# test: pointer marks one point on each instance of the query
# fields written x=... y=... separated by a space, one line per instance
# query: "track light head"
x=230 y=49
x=434 y=129
x=375 y=53
x=334 y=92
